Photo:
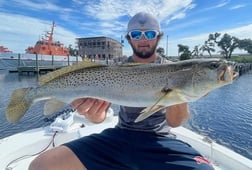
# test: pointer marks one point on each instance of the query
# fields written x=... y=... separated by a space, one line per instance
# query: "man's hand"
x=93 y=109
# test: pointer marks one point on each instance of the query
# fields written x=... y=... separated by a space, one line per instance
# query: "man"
x=144 y=145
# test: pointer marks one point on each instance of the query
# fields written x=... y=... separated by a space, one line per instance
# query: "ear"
x=127 y=37
x=160 y=35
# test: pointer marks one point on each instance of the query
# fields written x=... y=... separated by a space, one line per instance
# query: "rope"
x=28 y=156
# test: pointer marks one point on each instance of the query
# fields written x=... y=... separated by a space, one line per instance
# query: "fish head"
x=209 y=74
x=219 y=73
x=226 y=73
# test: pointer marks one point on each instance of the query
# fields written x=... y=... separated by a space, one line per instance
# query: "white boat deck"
x=18 y=150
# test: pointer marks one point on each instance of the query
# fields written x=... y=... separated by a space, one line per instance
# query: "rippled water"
x=225 y=115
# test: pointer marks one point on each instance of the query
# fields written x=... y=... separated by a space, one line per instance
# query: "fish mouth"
x=235 y=75
x=227 y=74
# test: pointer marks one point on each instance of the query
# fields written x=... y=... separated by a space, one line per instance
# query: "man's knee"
x=40 y=163
x=58 y=158
x=47 y=160
x=35 y=165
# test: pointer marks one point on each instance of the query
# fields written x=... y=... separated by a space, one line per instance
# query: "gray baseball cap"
x=143 y=20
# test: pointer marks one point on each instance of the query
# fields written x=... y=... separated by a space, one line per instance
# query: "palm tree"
x=209 y=47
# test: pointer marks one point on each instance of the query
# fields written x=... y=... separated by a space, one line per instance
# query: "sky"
x=187 y=22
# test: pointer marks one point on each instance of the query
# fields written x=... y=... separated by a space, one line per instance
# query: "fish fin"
x=148 y=111
x=52 y=106
x=57 y=73
x=156 y=107
x=17 y=105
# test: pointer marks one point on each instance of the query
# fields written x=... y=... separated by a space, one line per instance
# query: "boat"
x=18 y=150
x=47 y=46
x=46 y=52
x=4 y=49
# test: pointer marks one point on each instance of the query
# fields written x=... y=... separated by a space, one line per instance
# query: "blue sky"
x=187 y=22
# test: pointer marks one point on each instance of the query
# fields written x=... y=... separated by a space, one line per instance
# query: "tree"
x=195 y=52
x=213 y=37
x=161 y=51
x=246 y=44
x=184 y=52
x=72 y=51
x=209 y=47
x=228 y=44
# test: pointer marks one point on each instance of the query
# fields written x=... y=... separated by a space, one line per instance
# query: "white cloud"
x=163 y=9
x=45 y=5
x=220 y=4
x=106 y=9
x=239 y=32
x=21 y=31
x=237 y=6
x=18 y=32
x=102 y=18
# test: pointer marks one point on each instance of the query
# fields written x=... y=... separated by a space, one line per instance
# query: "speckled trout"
x=153 y=86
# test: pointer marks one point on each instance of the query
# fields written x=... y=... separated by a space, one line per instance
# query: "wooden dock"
x=35 y=70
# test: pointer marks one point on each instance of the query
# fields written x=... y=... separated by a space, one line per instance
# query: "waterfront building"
x=99 y=48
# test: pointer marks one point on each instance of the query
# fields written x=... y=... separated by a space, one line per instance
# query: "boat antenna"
x=51 y=33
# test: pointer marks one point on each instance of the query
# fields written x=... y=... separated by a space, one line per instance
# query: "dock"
x=35 y=70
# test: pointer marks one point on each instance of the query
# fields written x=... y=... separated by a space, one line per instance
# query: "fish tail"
x=17 y=105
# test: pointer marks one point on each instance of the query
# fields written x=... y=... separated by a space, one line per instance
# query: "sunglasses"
x=148 y=34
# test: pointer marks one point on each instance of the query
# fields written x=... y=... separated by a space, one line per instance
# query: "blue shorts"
x=121 y=149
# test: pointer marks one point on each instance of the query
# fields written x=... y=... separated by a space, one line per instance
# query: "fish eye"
x=214 y=65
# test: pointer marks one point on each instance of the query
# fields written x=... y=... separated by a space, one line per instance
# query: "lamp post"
x=167 y=46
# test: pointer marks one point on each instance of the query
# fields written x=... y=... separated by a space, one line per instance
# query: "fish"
x=152 y=86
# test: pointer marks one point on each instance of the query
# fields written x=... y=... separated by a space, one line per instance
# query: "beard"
x=144 y=54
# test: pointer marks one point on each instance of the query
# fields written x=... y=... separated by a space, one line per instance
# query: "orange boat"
x=4 y=50
x=46 y=46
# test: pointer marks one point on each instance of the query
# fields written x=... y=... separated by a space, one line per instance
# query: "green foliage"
x=184 y=52
x=226 y=43
x=183 y=48
x=246 y=44
x=208 y=46
x=185 y=56
x=239 y=59
x=161 y=51
x=72 y=51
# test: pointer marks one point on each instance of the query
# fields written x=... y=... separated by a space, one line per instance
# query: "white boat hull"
x=30 y=143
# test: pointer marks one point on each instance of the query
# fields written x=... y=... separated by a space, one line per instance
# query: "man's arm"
x=177 y=114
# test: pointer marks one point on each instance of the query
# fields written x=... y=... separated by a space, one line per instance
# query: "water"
x=225 y=115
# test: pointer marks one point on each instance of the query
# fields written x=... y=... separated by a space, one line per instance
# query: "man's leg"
x=108 y=150
x=160 y=152
x=59 y=158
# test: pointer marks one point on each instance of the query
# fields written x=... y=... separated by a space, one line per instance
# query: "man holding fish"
x=143 y=144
